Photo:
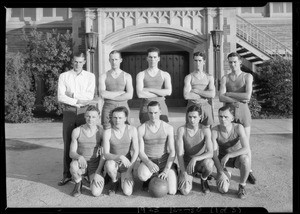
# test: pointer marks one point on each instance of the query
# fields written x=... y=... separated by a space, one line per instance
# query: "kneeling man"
x=231 y=148
x=157 y=149
x=85 y=153
x=120 y=145
x=194 y=151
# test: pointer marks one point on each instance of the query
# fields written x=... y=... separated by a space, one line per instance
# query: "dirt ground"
x=34 y=166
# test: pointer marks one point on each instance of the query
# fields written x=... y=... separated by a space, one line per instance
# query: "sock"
x=243 y=184
x=203 y=178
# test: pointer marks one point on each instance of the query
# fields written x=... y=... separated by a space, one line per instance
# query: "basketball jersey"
x=115 y=84
x=154 y=82
x=193 y=145
x=120 y=146
x=232 y=143
x=88 y=146
x=239 y=85
x=155 y=143
x=202 y=84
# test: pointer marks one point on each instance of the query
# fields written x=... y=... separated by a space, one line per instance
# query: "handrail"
x=261 y=40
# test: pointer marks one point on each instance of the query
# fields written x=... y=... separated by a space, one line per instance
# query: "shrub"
x=49 y=54
x=255 y=107
x=19 y=97
x=275 y=86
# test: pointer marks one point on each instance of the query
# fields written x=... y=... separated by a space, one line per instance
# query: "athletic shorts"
x=92 y=166
x=207 y=113
x=197 y=165
x=121 y=167
x=143 y=115
x=232 y=162
x=108 y=106
x=242 y=113
x=161 y=162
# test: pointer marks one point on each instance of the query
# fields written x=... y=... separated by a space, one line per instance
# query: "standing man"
x=157 y=149
x=153 y=84
x=231 y=148
x=199 y=88
x=194 y=151
x=236 y=90
x=115 y=88
x=76 y=89
x=120 y=145
x=85 y=153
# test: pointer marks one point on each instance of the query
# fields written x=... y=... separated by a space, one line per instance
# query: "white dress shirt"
x=82 y=85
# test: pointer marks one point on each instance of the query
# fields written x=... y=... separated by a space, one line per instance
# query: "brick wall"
x=280 y=29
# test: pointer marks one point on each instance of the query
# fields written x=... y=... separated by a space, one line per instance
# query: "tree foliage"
x=48 y=55
x=275 y=86
x=19 y=95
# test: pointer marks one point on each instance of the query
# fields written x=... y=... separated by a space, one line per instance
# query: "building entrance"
x=176 y=63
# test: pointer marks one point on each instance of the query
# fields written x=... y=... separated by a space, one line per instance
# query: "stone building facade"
x=177 y=32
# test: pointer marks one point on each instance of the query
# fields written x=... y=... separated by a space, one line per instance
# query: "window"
x=16 y=12
x=55 y=12
x=246 y=9
x=259 y=10
x=47 y=12
x=62 y=12
x=30 y=12
x=278 y=7
x=21 y=13
x=289 y=8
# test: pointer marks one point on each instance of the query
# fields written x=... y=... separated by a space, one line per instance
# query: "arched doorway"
x=173 y=59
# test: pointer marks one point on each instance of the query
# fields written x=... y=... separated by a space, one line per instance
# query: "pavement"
x=34 y=166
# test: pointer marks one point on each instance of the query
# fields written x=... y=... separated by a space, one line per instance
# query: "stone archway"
x=176 y=47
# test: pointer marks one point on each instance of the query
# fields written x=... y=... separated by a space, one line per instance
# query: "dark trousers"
x=72 y=118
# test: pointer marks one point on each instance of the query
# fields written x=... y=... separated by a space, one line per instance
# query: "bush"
x=275 y=86
x=19 y=97
x=255 y=107
x=49 y=54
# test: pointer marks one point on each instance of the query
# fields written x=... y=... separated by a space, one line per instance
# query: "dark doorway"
x=175 y=63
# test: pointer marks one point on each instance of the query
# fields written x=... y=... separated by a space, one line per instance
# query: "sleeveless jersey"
x=88 y=146
x=232 y=143
x=193 y=145
x=115 y=84
x=199 y=84
x=155 y=143
x=239 y=85
x=120 y=146
x=154 y=82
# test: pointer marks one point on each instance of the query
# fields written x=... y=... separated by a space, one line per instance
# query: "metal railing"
x=261 y=40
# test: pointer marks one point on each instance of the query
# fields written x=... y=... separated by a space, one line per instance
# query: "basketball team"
x=164 y=159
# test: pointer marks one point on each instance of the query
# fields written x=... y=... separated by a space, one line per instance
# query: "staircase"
x=255 y=45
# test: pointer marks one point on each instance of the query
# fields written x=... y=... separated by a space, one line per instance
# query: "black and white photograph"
x=174 y=109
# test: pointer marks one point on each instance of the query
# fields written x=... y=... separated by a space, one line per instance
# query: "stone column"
x=209 y=45
x=220 y=62
x=76 y=24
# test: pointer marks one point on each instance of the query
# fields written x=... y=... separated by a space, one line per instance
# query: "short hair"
x=234 y=54
x=153 y=49
x=120 y=109
x=115 y=52
x=228 y=107
x=153 y=103
x=92 y=108
x=192 y=108
x=79 y=54
x=202 y=54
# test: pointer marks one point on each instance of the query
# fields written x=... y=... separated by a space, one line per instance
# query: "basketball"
x=223 y=182
x=158 y=187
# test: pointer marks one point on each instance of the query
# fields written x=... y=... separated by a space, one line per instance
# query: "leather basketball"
x=158 y=187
